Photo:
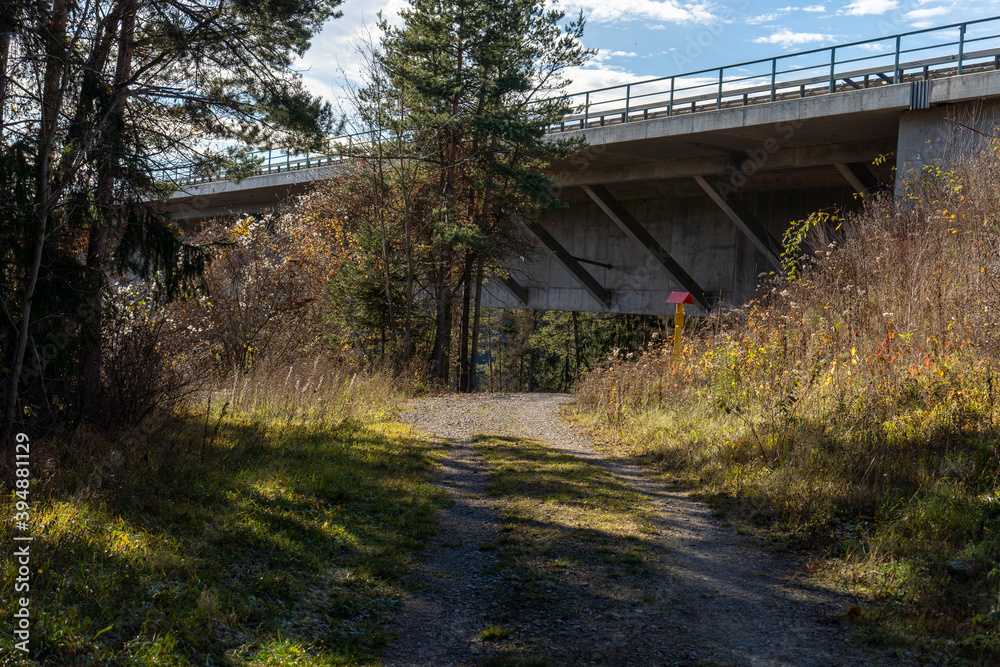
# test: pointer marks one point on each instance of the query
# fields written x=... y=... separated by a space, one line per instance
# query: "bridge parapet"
x=950 y=50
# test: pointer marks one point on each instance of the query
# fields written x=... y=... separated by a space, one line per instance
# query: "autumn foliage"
x=852 y=406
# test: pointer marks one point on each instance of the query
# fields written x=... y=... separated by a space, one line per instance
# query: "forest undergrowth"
x=851 y=409
x=272 y=527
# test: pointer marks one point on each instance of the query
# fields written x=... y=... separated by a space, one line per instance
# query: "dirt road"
x=552 y=553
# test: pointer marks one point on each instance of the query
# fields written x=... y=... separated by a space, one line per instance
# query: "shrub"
x=265 y=293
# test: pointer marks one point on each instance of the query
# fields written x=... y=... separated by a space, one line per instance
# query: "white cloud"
x=620 y=54
x=762 y=18
x=600 y=76
x=319 y=87
x=669 y=11
x=789 y=38
x=866 y=7
x=810 y=8
x=925 y=13
x=332 y=60
x=604 y=55
x=333 y=63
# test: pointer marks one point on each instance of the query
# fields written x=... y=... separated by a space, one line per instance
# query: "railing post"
x=833 y=70
x=895 y=72
x=718 y=101
x=586 y=111
x=774 y=76
x=670 y=105
x=628 y=100
x=961 y=46
x=269 y=160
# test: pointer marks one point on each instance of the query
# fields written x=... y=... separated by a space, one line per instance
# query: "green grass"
x=494 y=633
x=569 y=533
x=283 y=545
x=553 y=502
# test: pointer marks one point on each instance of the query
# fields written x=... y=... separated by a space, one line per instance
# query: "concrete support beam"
x=851 y=178
x=515 y=288
x=858 y=175
x=785 y=158
x=743 y=218
x=642 y=238
x=580 y=274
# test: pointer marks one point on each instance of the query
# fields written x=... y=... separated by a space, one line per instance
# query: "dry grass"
x=272 y=529
x=317 y=392
x=852 y=406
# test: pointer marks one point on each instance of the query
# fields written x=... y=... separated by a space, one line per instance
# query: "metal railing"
x=272 y=161
x=959 y=48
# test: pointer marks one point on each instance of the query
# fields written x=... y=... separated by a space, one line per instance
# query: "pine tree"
x=482 y=79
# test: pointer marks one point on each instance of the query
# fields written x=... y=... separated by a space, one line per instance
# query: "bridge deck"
x=919 y=70
x=946 y=51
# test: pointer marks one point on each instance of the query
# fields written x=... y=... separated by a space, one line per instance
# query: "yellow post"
x=679 y=298
x=678 y=331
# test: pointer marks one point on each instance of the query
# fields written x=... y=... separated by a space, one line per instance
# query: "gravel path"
x=708 y=596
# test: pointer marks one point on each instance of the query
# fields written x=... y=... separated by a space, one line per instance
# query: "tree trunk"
x=448 y=333
x=440 y=361
x=474 y=358
x=8 y=20
x=384 y=234
x=500 y=347
x=55 y=65
x=51 y=102
x=576 y=339
x=447 y=158
x=408 y=324
x=463 y=375
x=23 y=330
x=533 y=356
x=531 y=371
x=108 y=205
x=566 y=369
x=489 y=354
x=90 y=353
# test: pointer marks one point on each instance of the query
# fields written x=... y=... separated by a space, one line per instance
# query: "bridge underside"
x=696 y=202
x=699 y=203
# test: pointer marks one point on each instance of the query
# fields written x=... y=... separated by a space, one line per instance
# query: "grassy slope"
x=852 y=410
x=282 y=545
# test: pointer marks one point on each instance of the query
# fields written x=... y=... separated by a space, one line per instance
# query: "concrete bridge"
x=690 y=181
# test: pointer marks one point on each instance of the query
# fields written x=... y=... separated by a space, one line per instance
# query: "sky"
x=642 y=39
